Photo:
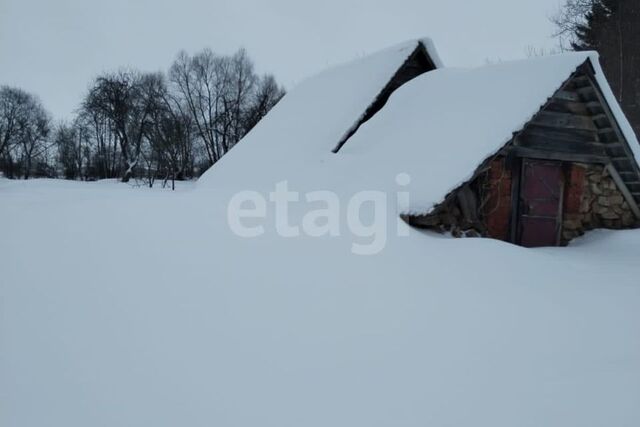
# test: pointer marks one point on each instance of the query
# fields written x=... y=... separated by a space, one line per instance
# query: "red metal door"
x=541 y=193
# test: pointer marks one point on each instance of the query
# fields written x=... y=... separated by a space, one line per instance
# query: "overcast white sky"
x=54 y=47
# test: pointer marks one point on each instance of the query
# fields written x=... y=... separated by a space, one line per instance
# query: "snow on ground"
x=123 y=306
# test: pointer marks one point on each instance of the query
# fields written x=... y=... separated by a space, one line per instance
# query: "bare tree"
x=74 y=152
x=133 y=124
x=169 y=134
x=34 y=130
x=267 y=94
x=241 y=88
x=12 y=105
x=197 y=81
x=102 y=143
x=24 y=128
x=223 y=95
x=118 y=97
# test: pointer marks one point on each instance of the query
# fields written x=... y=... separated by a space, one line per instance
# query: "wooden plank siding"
x=577 y=125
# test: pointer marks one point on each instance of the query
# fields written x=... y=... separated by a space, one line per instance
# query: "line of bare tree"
x=168 y=126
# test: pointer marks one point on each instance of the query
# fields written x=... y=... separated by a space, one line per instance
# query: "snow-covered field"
x=124 y=306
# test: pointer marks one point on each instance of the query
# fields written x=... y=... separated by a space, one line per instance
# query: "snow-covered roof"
x=314 y=116
x=437 y=128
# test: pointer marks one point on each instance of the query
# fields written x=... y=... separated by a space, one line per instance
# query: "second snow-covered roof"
x=440 y=127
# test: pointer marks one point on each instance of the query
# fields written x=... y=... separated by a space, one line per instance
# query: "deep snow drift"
x=125 y=306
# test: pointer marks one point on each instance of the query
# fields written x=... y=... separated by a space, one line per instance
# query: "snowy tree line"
x=151 y=126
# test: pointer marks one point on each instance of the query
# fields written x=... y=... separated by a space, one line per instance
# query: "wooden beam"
x=516 y=176
x=623 y=167
x=570 y=107
x=587 y=93
x=576 y=135
x=602 y=121
x=622 y=159
x=614 y=149
x=581 y=81
x=608 y=134
x=614 y=121
x=565 y=95
x=594 y=107
x=607 y=130
x=628 y=176
x=564 y=121
x=555 y=155
x=633 y=186
x=550 y=144
x=628 y=196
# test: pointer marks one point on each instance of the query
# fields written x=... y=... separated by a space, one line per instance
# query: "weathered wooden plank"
x=581 y=81
x=608 y=136
x=587 y=93
x=615 y=149
x=566 y=95
x=628 y=176
x=550 y=144
x=633 y=186
x=622 y=159
x=594 y=107
x=534 y=153
x=606 y=131
x=564 y=121
x=631 y=163
x=623 y=162
x=578 y=135
x=602 y=121
x=570 y=107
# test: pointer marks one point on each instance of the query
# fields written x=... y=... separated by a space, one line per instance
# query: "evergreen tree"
x=588 y=35
x=610 y=27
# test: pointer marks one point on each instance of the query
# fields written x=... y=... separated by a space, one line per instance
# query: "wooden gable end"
x=419 y=62
x=570 y=169
x=577 y=125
